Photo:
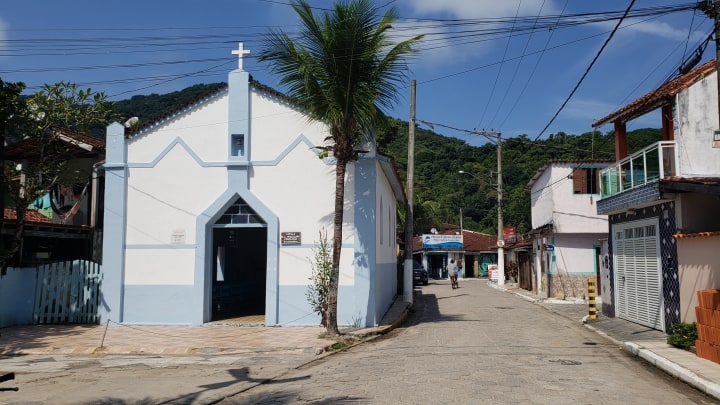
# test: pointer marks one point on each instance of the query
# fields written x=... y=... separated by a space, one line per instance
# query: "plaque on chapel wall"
x=290 y=238
x=177 y=237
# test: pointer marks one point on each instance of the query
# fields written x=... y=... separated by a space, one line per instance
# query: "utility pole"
x=408 y=269
x=500 y=232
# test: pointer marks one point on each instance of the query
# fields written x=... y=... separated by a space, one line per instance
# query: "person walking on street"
x=452 y=269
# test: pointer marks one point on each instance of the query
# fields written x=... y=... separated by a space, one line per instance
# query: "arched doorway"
x=239 y=273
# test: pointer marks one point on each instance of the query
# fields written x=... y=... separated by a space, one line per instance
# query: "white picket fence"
x=68 y=292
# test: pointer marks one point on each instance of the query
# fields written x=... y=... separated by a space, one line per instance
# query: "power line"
x=586 y=71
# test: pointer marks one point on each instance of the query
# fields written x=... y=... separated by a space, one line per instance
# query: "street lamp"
x=500 y=235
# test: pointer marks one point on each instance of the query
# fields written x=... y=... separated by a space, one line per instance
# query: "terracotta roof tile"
x=31 y=216
x=660 y=96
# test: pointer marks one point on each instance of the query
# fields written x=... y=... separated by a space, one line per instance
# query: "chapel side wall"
x=385 y=283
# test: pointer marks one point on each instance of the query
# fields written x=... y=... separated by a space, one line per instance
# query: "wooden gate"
x=524 y=272
x=67 y=292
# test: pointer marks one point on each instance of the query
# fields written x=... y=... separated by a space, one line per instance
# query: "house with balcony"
x=662 y=204
x=566 y=226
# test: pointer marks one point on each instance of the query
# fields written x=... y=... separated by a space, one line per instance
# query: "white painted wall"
x=696 y=120
x=169 y=196
x=541 y=200
x=574 y=252
x=553 y=200
x=204 y=130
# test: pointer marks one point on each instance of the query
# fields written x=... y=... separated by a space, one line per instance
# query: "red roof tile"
x=659 y=97
x=31 y=216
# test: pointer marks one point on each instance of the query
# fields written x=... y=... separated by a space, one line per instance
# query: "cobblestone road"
x=478 y=345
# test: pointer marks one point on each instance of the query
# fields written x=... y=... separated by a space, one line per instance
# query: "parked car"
x=420 y=275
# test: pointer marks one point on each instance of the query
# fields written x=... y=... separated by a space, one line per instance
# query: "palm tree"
x=342 y=70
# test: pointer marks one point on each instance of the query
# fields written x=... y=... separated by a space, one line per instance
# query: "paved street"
x=478 y=345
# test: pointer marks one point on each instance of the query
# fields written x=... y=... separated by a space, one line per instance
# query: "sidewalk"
x=648 y=344
x=207 y=339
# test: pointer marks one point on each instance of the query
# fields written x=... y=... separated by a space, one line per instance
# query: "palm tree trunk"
x=332 y=326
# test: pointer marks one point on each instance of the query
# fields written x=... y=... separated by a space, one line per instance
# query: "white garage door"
x=637 y=273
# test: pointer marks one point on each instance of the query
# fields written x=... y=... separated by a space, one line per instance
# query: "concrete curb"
x=397 y=322
x=681 y=373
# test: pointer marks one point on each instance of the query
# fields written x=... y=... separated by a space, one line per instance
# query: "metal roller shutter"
x=638 y=276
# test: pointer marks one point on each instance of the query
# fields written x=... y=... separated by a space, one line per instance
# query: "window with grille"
x=239 y=213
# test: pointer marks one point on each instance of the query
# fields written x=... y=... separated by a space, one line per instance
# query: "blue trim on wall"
x=296 y=311
x=115 y=224
x=175 y=142
x=315 y=246
x=160 y=246
x=158 y=304
x=301 y=139
x=204 y=257
x=17 y=293
x=386 y=285
x=239 y=112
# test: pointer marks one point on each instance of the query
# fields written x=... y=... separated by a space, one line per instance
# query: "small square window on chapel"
x=238 y=145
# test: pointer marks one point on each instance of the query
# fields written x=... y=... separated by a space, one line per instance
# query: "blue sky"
x=480 y=66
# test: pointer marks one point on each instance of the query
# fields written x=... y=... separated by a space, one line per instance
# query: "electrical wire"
x=632 y=2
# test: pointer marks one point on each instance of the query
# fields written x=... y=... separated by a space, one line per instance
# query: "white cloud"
x=437 y=48
x=443 y=46
x=479 y=8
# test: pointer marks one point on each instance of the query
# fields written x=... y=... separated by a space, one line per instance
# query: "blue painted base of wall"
x=295 y=309
x=170 y=305
x=158 y=304
x=17 y=296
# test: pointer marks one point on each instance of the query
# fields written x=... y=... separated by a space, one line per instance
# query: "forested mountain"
x=149 y=107
x=440 y=192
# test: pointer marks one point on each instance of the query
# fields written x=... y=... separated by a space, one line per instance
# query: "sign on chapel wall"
x=290 y=238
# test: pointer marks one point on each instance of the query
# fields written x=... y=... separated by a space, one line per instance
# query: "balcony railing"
x=650 y=164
